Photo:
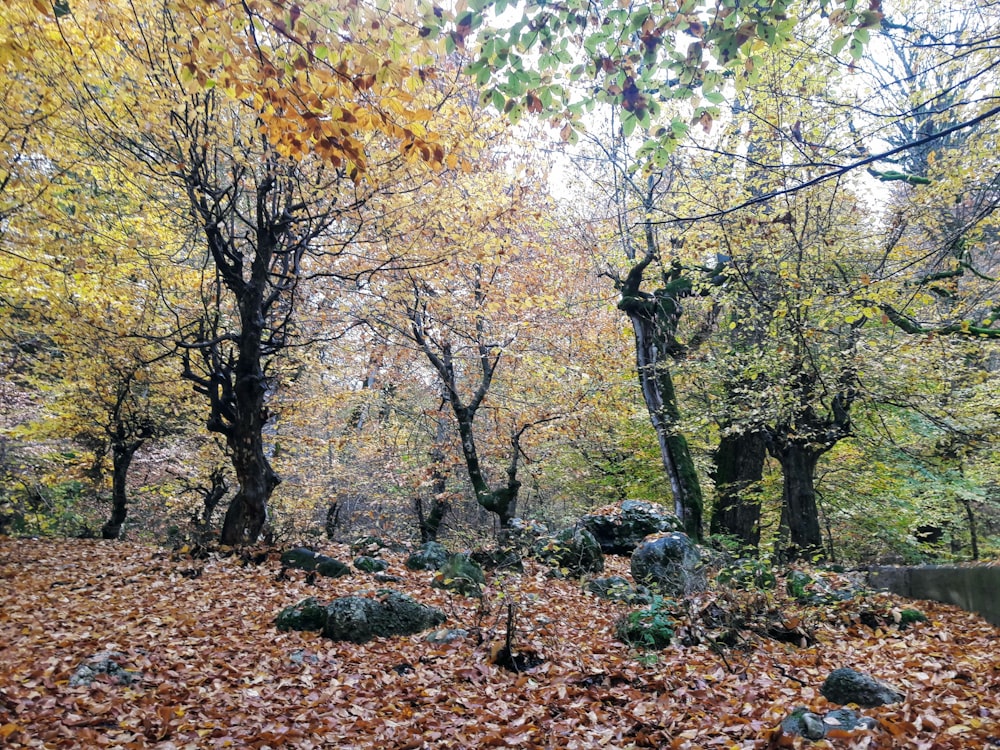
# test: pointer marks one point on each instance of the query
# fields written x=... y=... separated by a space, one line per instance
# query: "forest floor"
x=212 y=670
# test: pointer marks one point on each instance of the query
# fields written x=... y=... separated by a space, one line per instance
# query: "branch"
x=838 y=172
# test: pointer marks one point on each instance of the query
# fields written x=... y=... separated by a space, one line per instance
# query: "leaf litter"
x=211 y=670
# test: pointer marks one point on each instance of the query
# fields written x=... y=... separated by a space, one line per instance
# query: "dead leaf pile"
x=212 y=671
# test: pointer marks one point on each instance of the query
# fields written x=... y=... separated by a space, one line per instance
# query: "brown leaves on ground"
x=215 y=673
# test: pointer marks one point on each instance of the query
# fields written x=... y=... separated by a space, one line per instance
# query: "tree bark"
x=654 y=320
x=800 y=511
x=739 y=465
x=121 y=457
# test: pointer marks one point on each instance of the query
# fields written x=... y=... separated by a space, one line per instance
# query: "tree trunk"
x=247 y=512
x=430 y=523
x=739 y=465
x=800 y=511
x=121 y=455
x=653 y=344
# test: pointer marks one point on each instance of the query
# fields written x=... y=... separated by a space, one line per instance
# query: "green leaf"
x=628 y=124
x=321 y=52
x=838 y=45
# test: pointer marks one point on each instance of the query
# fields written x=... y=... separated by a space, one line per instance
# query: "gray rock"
x=847 y=685
x=522 y=534
x=461 y=576
x=813 y=726
x=619 y=529
x=506 y=559
x=308 y=614
x=330 y=568
x=808 y=590
x=359 y=619
x=370 y=564
x=103 y=662
x=304 y=558
x=572 y=552
x=430 y=556
x=618 y=589
x=446 y=635
x=669 y=563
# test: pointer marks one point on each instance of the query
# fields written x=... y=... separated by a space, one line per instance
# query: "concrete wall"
x=974 y=589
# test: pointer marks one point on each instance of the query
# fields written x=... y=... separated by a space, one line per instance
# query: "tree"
x=266 y=159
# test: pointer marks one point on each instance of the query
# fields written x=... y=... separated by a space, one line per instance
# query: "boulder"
x=102 y=663
x=669 y=563
x=522 y=534
x=572 y=552
x=430 y=556
x=327 y=566
x=304 y=558
x=847 y=685
x=308 y=614
x=461 y=576
x=359 y=619
x=618 y=589
x=498 y=559
x=620 y=528
x=370 y=564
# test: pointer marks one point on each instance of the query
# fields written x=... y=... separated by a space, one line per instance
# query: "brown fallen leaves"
x=215 y=673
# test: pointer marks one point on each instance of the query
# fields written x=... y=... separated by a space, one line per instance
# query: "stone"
x=669 y=564
x=522 y=533
x=847 y=685
x=813 y=726
x=358 y=619
x=461 y=576
x=330 y=568
x=103 y=663
x=572 y=552
x=430 y=556
x=618 y=589
x=368 y=564
x=807 y=589
x=304 y=558
x=498 y=559
x=446 y=635
x=308 y=614
x=620 y=528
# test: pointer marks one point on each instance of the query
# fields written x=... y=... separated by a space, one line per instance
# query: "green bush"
x=649 y=628
x=748 y=574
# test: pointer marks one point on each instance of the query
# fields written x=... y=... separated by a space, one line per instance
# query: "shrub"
x=649 y=628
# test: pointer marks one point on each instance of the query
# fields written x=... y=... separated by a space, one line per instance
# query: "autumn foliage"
x=212 y=671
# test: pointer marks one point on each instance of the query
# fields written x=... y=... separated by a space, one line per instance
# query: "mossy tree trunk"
x=654 y=317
